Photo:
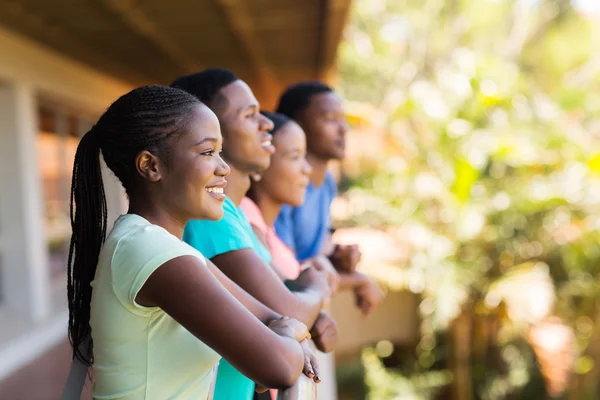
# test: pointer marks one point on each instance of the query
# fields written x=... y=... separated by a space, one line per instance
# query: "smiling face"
x=192 y=179
x=247 y=141
x=285 y=181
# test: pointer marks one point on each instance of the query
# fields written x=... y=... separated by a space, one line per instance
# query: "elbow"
x=287 y=379
x=288 y=369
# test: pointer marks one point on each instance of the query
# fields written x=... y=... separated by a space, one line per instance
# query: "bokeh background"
x=475 y=149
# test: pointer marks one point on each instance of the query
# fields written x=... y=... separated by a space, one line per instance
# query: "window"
x=56 y=146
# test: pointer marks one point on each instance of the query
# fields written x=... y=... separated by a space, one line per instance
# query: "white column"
x=25 y=276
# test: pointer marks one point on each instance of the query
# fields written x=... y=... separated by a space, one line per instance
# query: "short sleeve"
x=284 y=226
x=212 y=238
x=138 y=255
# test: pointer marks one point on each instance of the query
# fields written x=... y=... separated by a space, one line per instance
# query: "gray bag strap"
x=77 y=376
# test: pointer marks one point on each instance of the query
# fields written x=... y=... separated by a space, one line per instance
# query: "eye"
x=251 y=115
x=208 y=153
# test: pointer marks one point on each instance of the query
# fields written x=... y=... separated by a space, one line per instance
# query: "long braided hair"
x=142 y=119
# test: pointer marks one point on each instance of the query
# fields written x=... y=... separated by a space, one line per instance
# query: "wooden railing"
x=304 y=389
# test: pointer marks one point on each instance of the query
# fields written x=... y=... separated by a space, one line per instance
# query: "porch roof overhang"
x=268 y=43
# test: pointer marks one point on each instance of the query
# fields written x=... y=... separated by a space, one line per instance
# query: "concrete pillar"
x=25 y=279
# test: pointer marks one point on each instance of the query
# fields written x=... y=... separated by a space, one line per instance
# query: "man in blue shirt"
x=306 y=229
x=231 y=243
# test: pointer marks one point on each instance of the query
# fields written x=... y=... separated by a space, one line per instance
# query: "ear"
x=148 y=166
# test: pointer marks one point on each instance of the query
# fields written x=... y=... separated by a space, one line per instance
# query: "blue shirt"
x=211 y=238
x=305 y=229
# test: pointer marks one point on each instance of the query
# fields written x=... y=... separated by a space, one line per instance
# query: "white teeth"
x=217 y=190
x=266 y=143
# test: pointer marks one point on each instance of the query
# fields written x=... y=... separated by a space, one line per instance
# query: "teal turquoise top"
x=211 y=238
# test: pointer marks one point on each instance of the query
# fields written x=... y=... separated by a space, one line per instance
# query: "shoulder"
x=137 y=249
x=330 y=183
x=137 y=238
x=212 y=238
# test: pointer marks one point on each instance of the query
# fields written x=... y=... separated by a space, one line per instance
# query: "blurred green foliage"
x=480 y=146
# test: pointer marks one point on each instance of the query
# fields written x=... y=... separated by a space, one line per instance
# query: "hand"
x=324 y=332
x=290 y=327
x=345 y=258
x=311 y=367
x=368 y=296
x=258 y=388
x=312 y=278
x=322 y=263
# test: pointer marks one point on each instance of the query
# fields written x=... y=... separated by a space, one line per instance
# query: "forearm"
x=310 y=305
x=259 y=280
x=287 y=360
x=258 y=309
x=352 y=280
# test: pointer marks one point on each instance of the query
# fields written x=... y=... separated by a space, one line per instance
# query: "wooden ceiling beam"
x=241 y=24
x=133 y=16
x=334 y=15
x=35 y=25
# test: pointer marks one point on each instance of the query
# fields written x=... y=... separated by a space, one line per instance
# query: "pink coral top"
x=283 y=257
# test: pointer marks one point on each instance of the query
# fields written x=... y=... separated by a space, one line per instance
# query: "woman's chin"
x=212 y=215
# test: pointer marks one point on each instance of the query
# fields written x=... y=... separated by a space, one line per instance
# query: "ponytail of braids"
x=88 y=222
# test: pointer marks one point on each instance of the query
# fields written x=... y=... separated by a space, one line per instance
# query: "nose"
x=266 y=124
x=343 y=126
x=223 y=168
x=306 y=168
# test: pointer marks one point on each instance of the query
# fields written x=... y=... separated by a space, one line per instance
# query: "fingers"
x=311 y=366
x=326 y=343
x=315 y=368
x=308 y=369
x=325 y=333
x=260 y=389
x=286 y=326
x=321 y=324
x=301 y=330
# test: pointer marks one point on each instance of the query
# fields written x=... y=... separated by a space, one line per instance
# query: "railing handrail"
x=304 y=389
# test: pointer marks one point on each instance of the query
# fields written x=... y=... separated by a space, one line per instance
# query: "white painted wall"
x=27 y=70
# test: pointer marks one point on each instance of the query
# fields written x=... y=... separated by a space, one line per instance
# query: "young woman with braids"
x=149 y=312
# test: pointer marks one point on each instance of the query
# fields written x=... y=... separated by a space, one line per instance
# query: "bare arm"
x=352 y=280
x=259 y=234
x=248 y=270
x=258 y=309
x=266 y=315
x=186 y=290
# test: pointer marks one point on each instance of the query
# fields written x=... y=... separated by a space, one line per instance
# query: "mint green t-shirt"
x=211 y=238
x=141 y=352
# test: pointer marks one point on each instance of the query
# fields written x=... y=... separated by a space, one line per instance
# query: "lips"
x=267 y=145
x=217 y=190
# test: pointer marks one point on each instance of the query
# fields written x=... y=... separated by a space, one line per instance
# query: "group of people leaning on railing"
x=220 y=273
